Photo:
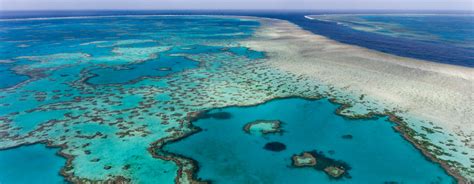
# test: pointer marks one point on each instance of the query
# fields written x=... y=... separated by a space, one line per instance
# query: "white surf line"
x=312 y=17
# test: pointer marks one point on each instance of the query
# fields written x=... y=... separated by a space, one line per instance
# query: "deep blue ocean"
x=457 y=49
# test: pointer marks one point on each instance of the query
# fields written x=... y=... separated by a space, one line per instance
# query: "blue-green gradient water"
x=107 y=88
x=376 y=153
x=97 y=37
x=103 y=88
x=429 y=35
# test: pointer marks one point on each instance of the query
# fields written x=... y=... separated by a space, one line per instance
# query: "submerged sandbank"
x=422 y=93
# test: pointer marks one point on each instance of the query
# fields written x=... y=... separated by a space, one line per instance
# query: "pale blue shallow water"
x=31 y=164
x=376 y=153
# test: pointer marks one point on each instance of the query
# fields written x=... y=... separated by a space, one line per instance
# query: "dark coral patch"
x=275 y=146
x=334 y=168
x=347 y=136
x=216 y=115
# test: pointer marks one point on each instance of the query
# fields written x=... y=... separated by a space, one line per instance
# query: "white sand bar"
x=430 y=92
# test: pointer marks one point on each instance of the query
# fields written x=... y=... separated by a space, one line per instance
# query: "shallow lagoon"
x=31 y=164
x=375 y=152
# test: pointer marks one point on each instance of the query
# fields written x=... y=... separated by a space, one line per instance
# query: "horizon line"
x=212 y=9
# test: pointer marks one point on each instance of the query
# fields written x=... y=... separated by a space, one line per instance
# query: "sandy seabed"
x=421 y=92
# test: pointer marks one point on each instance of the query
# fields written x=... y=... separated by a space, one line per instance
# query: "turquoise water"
x=31 y=164
x=109 y=87
x=164 y=64
x=380 y=33
x=143 y=43
x=159 y=67
x=376 y=153
x=11 y=78
x=114 y=89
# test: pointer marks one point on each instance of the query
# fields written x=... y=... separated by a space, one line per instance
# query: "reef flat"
x=333 y=168
x=262 y=127
x=111 y=100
